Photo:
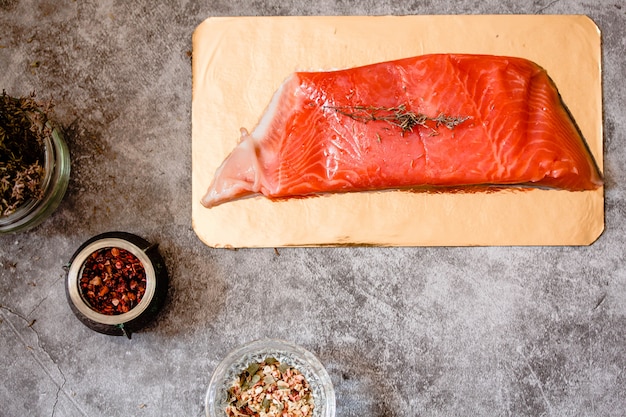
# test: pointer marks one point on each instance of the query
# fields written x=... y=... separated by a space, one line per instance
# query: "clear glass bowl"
x=57 y=176
x=285 y=352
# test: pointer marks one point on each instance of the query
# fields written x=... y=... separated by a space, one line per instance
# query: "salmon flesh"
x=432 y=122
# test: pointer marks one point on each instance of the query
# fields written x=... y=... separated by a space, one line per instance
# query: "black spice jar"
x=116 y=283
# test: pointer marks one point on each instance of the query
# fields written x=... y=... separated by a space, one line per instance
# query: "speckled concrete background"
x=402 y=331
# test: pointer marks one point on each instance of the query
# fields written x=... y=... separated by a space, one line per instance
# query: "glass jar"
x=55 y=181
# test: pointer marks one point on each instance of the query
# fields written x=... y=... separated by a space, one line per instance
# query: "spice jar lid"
x=131 y=283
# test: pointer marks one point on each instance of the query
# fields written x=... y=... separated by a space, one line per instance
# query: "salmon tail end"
x=238 y=177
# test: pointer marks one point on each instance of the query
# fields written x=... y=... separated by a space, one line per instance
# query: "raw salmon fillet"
x=474 y=120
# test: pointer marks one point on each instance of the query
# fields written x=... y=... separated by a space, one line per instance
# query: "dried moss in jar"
x=112 y=281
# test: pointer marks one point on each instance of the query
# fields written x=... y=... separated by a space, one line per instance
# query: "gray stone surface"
x=495 y=331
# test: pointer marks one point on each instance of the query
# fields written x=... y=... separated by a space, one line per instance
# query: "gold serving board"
x=239 y=62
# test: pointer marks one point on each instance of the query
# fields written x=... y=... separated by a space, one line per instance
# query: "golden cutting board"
x=238 y=63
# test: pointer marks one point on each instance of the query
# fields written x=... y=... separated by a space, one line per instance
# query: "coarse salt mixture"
x=270 y=389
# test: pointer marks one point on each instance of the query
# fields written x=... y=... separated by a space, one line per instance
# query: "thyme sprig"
x=399 y=116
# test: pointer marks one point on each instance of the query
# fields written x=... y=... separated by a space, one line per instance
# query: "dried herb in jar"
x=270 y=389
x=112 y=281
x=23 y=127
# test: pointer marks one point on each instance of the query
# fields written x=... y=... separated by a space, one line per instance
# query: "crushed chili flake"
x=270 y=389
x=112 y=281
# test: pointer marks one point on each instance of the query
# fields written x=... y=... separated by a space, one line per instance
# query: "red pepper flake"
x=112 y=281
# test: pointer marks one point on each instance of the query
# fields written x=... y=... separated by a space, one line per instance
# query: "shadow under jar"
x=116 y=283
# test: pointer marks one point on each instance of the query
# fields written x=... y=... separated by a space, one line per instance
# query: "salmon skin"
x=432 y=121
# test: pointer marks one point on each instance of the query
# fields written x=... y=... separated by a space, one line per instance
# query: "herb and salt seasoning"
x=270 y=389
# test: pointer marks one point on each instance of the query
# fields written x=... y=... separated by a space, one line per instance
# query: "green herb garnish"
x=399 y=116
